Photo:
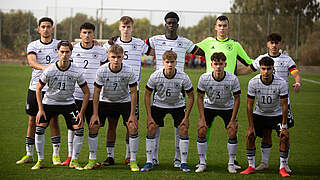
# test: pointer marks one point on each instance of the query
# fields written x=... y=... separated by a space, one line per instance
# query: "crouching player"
x=117 y=79
x=270 y=109
x=168 y=84
x=61 y=78
x=223 y=99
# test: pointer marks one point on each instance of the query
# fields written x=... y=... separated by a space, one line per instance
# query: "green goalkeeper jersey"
x=231 y=48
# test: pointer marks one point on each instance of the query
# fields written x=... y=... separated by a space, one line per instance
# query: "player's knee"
x=183 y=131
x=232 y=133
x=152 y=129
x=94 y=129
x=202 y=132
x=40 y=130
x=79 y=132
x=132 y=129
x=284 y=138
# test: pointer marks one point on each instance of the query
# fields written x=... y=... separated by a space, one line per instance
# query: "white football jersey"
x=61 y=84
x=132 y=52
x=115 y=85
x=283 y=65
x=87 y=60
x=46 y=53
x=168 y=92
x=219 y=93
x=181 y=46
x=268 y=96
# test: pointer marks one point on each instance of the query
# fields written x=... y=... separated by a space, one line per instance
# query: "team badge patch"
x=179 y=44
x=229 y=47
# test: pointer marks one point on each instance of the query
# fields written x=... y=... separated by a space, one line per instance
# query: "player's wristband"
x=284 y=126
x=298 y=84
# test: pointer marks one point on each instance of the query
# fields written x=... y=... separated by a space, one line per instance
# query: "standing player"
x=270 y=109
x=180 y=45
x=61 y=78
x=41 y=53
x=88 y=58
x=223 y=99
x=231 y=49
x=168 y=84
x=118 y=97
x=133 y=48
x=283 y=65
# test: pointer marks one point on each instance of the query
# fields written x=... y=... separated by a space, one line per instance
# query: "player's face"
x=218 y=66
x=115 y=60
x=266 y=71
x=45 y=29
x=222 y=28
x=64 y=53
x=169 y=64
x=126 y=29
x=86 y=35
x=171 y=24
x=274 y=47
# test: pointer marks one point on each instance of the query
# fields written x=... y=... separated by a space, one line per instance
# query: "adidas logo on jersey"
x=212 y=47
x=78 y=54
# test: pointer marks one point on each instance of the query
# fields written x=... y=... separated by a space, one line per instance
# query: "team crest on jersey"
x=229 y=47
x=177 y=85
x=179 y=44
x=226 y=87
x=134 y=46
x=94 y=56
x=55 y=50
x=40 y=51
x=78 y=54
x=164 y=43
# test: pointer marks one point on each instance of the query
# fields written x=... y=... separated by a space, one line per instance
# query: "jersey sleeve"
x=242 y=55
x=132 y=78
x=187 y=85
x=31 y=49
x=190 y=46
x=44 y=77
x=145 y=47
x=283 y=90
x=99 y=77
x=81 y=80
x=151 y=42
x=236 y=86
x=203 y=44
x=151 y=84
x=104 y=57
x=251 y=90
x=292 y=65
x=255 y=64
x=201 y=86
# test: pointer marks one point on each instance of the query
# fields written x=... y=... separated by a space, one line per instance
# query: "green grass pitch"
x=304 y=138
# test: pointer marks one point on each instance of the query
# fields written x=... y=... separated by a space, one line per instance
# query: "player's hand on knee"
x=39 y=115
x=132 y=122
x=79 y=119
x=152 y=126
x=184 y=123
x=233 y=125
x=251 y=133
x=94 y=120
x=202 y=128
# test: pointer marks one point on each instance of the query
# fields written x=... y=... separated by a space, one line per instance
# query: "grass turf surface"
x=304 y=155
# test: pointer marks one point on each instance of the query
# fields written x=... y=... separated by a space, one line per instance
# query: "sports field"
x=304 y=138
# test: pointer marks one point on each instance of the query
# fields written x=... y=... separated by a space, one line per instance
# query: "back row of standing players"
x=42 y=52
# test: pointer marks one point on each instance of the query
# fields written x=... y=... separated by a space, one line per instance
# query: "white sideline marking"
x=309 y=80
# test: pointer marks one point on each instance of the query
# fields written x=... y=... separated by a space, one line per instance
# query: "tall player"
x=88 y=58
x=222 y=99
x=41 y=53
x=180 y=45
x=61 y=78
x=283 y=66
x=168 y=84
x=118 y=97
x=270 y=109
x=133 y=49
x=231 y=48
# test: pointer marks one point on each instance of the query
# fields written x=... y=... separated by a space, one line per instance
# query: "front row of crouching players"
x=61 y=78
x=168 y=84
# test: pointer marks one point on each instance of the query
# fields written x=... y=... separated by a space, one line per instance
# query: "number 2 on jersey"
x=85 y=64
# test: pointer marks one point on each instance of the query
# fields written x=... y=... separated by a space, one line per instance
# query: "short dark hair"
x=116 y=49
x=65 y=43
x=126 y=20
x=87 y=25
x=171 y=15
x=266 y=61
x=218 y=56
x=274 y=37
x=222 y=18
x=46 y=19
x=169 y=55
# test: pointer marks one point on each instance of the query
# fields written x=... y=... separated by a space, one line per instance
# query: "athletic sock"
x=29 y=145
x=251 y=153
x=265 y=151
x=202 y=148
x=70 y=142
x=157 y=142
x=56 y=140
x=232 y=149
x=133 y=143
x=110 y=149
x=150 y=146
x=77 y=143
x=93 y=145
x=184 y=146
x=39 y=141
x=177 y=144
x=127 y=149
x=283 y=159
